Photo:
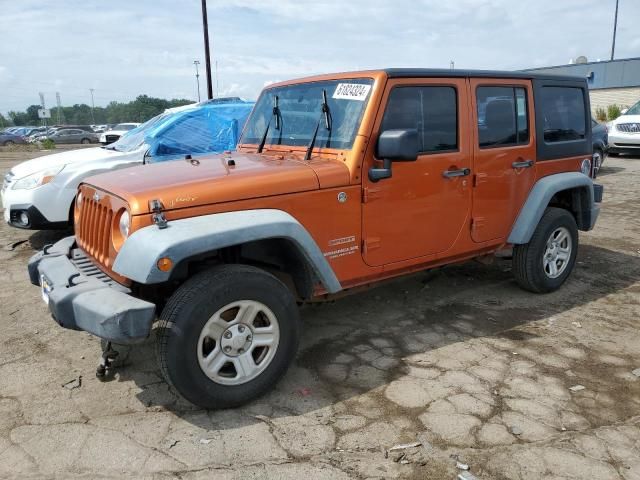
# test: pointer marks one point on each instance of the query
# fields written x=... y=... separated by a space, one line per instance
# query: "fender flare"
x=138 y=257
x=539 y=198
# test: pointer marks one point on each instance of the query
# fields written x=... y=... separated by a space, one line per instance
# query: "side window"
x=564 y=114
x=503 y=117
x=433 y=111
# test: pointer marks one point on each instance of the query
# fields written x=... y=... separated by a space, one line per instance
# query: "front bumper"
x=81 y=297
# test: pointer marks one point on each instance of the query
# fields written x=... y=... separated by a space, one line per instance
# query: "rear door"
x=422 y=209
x=504 y=154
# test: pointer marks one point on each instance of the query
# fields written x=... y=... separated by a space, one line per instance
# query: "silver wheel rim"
x=238 y=342
x=558 y=252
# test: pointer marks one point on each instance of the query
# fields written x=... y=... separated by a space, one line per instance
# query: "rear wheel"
x=227 y=335
x=9 y=143
x=543 y=264
x=598 y=158
x=85 y=141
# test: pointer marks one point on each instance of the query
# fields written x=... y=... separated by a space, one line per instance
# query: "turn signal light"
x=165 y=264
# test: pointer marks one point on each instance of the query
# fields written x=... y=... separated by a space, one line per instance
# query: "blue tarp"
x=205 y=128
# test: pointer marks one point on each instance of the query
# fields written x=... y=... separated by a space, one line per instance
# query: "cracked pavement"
x=460 y=360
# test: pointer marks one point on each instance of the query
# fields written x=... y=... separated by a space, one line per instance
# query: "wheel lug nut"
x=248 y=338
x=241 y=350
x=227 y=349
x=241 y=328
x=227 y=334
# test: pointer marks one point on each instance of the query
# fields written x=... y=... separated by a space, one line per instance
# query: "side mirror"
x=395 y=146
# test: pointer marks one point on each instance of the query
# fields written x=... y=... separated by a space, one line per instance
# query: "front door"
x=504 y=151
x=423 y=208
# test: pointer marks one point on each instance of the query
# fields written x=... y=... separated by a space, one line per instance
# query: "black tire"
x=85 y=141
x=598 y=153
x=9 y=143
x=528 y=259
x=613 y=154
x=189 y=309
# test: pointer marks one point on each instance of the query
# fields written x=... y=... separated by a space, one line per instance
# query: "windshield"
x=133 y=139
x=635 y=110
x=300 y=108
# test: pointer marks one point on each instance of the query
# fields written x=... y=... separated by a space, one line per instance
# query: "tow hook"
x=107 y=358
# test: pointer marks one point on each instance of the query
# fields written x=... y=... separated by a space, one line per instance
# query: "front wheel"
x=227 y=335
x=85 y=141
x=543 y=264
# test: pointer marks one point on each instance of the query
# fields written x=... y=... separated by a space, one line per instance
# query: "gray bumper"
x=81 y=297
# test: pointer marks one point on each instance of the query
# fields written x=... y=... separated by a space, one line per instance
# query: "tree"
x=139 y=110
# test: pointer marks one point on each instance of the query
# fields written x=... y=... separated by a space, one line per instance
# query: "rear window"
x=564 y=114
x=502 y=116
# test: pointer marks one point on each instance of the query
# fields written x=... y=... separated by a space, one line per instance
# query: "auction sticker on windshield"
x=352 y=91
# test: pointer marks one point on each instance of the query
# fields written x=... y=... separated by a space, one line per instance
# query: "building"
x=610 y=82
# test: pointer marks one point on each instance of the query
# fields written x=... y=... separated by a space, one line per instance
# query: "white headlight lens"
x=124 y=224
x=37 y=179
x=585 y=167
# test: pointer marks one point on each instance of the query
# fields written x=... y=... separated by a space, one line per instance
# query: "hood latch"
x=158 y=217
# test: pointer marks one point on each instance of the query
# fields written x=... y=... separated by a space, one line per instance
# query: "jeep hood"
x=218 y=178
x=64 y=158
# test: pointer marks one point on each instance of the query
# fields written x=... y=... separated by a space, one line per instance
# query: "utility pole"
x=217 y=86
x=196 y=63
x=93 y=119
x=452 y=64
x=44 y=120
x=59 y=104
x=615 y=27
x=207 y=55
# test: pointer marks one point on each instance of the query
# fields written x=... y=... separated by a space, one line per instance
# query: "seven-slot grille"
x=93 y=232
x=629 y=127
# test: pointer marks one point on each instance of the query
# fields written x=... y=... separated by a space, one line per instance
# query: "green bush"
x=601 y=114
x=613 y=111
x=48 y=144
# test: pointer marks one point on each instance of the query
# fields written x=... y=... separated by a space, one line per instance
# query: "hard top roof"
x=456 y=73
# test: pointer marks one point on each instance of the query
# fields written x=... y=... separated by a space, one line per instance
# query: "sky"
x=125 y=48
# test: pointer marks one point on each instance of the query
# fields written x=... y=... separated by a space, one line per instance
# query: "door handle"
x=463 y=172
x=522 y=164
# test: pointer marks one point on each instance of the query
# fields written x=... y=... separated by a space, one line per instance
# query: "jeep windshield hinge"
x=158 y=217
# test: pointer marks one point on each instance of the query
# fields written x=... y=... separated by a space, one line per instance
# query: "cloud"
x=122 y=48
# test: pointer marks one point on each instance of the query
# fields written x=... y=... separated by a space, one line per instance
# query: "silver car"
x=71 y=135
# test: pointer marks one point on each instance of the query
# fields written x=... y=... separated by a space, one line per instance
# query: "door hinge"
x=479 y=178
x=477 y=223
x=369 y=194
x=370 y=244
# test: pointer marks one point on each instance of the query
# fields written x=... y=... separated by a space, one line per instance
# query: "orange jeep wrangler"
x=339 y=181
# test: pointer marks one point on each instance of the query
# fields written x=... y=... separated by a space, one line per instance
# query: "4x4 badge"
x=342 y=197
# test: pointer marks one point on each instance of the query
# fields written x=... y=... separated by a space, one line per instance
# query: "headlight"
x=585 y=167
x=37 y=179
x=125 y=222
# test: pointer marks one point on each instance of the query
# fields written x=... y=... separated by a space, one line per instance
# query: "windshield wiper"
x=275 y=112
x=326 y=115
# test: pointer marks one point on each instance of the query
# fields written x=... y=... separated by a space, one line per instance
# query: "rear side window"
x=433 y=111
x=503 y=118
x=564 y=114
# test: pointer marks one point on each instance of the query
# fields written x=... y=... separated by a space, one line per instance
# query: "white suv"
x=624 y=132
x=116 y=132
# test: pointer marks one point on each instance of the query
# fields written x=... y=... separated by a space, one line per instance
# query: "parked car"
x=624 y=132
x=116 y=132
x=599 y=134
x=39 y=193
x=338 y=181
x=69 y=135
x=8 y=139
